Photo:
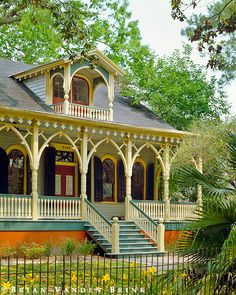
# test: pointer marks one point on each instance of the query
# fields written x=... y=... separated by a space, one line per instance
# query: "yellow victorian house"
x=77 y=159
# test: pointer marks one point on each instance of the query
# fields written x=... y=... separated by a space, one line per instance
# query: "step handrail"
x=98 y=220
x=145 y=223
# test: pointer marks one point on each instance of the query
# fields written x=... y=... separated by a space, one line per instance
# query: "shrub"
x=31 y=250
x=6 y=250
x=68 y=246
x=86 y=247
x=48 y=248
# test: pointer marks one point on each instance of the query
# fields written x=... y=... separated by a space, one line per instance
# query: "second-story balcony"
x=83 y=111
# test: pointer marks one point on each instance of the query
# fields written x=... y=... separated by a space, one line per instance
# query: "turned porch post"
x=66 y=86
x=83 y=171
x=34 y=168
x=128 y=175
x=166 y=177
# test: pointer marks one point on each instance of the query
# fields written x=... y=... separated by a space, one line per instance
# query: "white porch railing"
x=82 y=111
x=154 y=210
x=178 y=211
x=15 y=206
x=183 y=211
x=148 y=225
x=59 y=208
x=98 y=221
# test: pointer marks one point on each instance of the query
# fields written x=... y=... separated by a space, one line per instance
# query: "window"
x=64 y=156
x=137 y=187
x=16 y=172
x=80 y=91
x=58 y=91
x=108 y=179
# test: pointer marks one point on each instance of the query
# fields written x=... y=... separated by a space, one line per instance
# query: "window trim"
x=115 y=161
x=23 y=151
x=139 y=160
x=72 y=90
x=54 y=97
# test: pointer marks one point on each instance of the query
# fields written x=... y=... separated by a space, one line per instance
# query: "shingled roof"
x=16 y=94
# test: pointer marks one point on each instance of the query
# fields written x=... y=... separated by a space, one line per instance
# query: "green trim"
x=148 y=201
x=59 y=198
x=47 y=225
x=175 y=225
x=144 y=214
x=162 y=202
x=98 y=212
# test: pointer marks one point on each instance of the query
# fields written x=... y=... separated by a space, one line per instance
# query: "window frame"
x=56 y=99
x=72 y=91
x=114 y=160
x=24 y=153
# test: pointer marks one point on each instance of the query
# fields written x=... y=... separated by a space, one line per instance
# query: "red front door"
x=65 y=181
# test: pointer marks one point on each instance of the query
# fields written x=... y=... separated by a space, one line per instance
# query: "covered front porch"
x=59 y=208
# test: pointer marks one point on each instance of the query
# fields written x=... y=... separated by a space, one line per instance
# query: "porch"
x=65 y=208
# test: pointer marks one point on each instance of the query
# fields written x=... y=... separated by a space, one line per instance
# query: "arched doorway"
x=16 y=172
x=137 y=181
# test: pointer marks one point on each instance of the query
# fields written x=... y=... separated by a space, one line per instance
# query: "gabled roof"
x=103 y=60
x=16 y=94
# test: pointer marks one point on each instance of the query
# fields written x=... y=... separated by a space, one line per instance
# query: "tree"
x=174 y=88
x=207 y=140
x=39 y=31
x=215 y=230
x=212 y=28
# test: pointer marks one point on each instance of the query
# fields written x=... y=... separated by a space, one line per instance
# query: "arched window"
x=137 y=187
x=16 y=172
x=80 y=91
x=108 y=180
x=58 y=90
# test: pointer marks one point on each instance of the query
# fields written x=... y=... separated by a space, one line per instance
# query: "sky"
x=163 y=34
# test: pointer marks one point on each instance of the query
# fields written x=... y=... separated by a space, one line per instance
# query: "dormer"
x=68 y=85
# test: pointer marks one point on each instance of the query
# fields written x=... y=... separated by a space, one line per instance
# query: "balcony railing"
x=82 y=111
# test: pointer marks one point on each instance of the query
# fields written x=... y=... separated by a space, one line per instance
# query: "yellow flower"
x=183 y=275
x=73 y=277
x=106 y=278
x=132 y=264
x=152 y=270
x=125 y=277
x=6 y=286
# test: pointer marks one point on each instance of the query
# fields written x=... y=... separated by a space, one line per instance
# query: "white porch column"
x=84 y=170
x=166 y=177
x=199 y=187
x=128 y=175
x=66 y=86
x=34 y=168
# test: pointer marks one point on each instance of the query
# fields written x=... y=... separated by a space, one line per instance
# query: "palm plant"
x=210 y=241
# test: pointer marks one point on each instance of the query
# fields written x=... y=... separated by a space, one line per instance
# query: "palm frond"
x=214 y=227
x=232 y=149
x=190 y=176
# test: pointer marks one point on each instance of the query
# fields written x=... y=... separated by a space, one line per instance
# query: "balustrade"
x=178 y=211
x=82 y=111
x=12 y=206
x=59 y=208
x=145 y=223
x=98 y=221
